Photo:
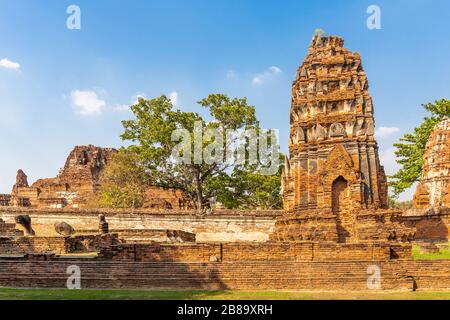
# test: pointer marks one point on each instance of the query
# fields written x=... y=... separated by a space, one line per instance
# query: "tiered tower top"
x=330 y=96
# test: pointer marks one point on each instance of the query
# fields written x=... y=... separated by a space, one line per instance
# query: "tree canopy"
x=123 y=182
x=184 y=151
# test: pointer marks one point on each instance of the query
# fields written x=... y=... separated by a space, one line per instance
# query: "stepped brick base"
x=350 y=275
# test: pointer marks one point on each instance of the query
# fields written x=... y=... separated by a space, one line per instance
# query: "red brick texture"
x=330 y=275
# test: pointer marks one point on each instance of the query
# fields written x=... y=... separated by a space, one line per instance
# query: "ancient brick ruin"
x=77 y=184
x=334 y=230
x=431 y=213
x=5 y=200
x=434 y=188
x=334 y=186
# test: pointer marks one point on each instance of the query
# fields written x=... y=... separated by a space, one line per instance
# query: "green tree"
x=123 y=182
x=248 y=189
x=411 y=148
x=151 y=135
x=402 y=205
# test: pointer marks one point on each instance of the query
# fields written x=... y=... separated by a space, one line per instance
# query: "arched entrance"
x=342 y=208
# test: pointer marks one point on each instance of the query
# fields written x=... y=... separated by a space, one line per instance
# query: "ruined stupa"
x=433 y=190
x=79 y=181
x=334 y=186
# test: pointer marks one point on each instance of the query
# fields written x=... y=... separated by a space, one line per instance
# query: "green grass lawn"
x=444 y=253
x=61 y=294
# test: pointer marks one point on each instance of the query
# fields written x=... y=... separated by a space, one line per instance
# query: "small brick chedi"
x=334 y=186
x=433 y=190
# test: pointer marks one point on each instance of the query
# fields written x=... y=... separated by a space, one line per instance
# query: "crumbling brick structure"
x=9 y=230
x=79 y=181
x=334 y=186
x=434 y=188
x=5 y=200
x=76 y=183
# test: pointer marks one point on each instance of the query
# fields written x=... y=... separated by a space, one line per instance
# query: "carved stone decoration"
x=337 y=130
x=300 y=135
x=370 y=130
x=321 y=133
x=25 y=222
x=368 y=106
x=349 y=127
x=360 y=127
x=64 y=229
x=294 y=115
x=348 y=105
x=343 y=83
x=103 y=226
x=303 y=73
x=311 y=134
x=319 y=86
x=311 y=87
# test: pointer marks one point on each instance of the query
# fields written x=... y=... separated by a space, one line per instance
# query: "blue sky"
x=60 y=88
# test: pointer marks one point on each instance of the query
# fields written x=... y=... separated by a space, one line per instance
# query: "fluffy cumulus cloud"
x=8 y=64
x=87 y=102
x=265 y=76
x=385 y=132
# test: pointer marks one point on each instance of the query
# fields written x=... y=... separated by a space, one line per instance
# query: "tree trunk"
x=199 y=191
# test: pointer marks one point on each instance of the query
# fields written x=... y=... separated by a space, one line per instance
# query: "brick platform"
x=238 y=252
x=350 y=275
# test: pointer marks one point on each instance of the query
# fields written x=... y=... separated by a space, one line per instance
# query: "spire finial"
x=317 y=38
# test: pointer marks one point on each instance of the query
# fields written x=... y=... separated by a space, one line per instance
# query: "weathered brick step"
x=243 y=275
x=300 y=267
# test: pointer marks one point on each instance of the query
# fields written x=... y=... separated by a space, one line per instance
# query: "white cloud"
x=384 y=132
x=86 y=102
x=173 y=96
x=265 y=76
x=8 y=64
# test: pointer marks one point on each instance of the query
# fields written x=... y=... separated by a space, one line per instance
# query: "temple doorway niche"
x=342 y=208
